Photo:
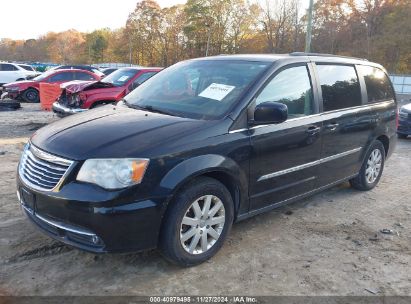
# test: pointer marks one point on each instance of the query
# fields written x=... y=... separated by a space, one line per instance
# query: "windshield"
x=44 y=75
x=200 y=89
x=120 y=77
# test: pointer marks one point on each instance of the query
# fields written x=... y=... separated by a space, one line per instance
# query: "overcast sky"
x=24 y=19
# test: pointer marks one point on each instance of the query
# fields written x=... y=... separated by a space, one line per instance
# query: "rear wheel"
x=31 y=95
x=197 y=222
x=371 y=169
x=402 y=135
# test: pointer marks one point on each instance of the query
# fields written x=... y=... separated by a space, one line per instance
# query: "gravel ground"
x=329 y=244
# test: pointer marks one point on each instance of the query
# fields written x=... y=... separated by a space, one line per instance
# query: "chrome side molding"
x=307 y=165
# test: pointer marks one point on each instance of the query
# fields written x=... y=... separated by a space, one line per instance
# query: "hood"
x=79 y=85
x=115 y=131
x=406 y=108
x=22 y=83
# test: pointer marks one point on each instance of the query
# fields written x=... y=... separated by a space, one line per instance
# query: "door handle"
x=331 y=126
x=312 y=130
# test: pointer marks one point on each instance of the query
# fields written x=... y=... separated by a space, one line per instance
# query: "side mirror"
x=270 y=112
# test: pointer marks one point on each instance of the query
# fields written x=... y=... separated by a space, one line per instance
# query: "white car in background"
x=31 y=72
x=11 y=72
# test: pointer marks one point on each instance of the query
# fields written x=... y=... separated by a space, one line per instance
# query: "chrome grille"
x=41 y=170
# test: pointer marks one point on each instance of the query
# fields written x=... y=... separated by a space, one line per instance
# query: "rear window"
x=339 y=85
x=26 y=67
x=377 y=83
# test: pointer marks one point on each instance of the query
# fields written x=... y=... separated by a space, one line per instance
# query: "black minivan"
x=205 y=143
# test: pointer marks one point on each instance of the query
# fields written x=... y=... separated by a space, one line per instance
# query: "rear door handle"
x=312 y=130
x=331 y=126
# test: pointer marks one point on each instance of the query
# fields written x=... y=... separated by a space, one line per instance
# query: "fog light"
x=95 y=239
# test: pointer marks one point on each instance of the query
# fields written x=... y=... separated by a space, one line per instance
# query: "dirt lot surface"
x=329 y=244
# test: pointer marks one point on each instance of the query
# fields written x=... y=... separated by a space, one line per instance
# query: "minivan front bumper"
x=119 y=223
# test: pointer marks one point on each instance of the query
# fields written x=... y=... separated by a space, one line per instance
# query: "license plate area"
x=27 y=199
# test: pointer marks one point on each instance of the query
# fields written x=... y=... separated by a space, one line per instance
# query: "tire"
x=370 y=175
x=31 y=95
x=402 y=136
x=182 y=252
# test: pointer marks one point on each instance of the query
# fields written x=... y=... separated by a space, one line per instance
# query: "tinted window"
x=65 y=76
x=377 y=83
x=83 y=76
x=26 y=67
x=8 y=67
x=293 y=88
x=339 y=85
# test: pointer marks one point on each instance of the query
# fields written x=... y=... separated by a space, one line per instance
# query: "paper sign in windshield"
x=123 y=78
x=217 y=91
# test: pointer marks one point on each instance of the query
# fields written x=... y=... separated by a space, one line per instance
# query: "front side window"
x=377 y=83
x=291 y=87
x=8 y=67
x=64 y=76
x=339 y=85
x=199 y=89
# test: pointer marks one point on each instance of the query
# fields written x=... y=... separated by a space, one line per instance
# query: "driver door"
x=283 y=161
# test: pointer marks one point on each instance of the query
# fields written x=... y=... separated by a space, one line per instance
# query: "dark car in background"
x=28 y=90
x=203 y=144
x=404 y=121
x=79 y=96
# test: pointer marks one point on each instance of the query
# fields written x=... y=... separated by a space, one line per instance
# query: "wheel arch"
x=220 y=168
x=385 y=142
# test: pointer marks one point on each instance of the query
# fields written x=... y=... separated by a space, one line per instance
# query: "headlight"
x=113 y=173
x=12 y=89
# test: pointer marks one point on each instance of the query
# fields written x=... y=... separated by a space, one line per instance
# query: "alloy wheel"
x=202 y=224
x=373 y=168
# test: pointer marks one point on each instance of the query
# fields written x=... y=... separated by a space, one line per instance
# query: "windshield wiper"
x=147 y=108
x=156 y=110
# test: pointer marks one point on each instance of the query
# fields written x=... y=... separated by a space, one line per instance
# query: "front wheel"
x=197 y=222
x=371 y=169
x=402 y=136
x=31 y=95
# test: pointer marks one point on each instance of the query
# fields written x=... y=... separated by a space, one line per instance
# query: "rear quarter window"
x=377 y=83
x=339 y=85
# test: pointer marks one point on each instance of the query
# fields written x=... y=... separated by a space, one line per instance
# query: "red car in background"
x=79 y=96
x=28 y=90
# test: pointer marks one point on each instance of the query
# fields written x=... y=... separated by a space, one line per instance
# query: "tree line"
x=379 y=30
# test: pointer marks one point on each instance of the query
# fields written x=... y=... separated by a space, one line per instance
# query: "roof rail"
x=324 y=55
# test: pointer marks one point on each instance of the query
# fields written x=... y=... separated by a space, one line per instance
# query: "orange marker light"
x=138 y=169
